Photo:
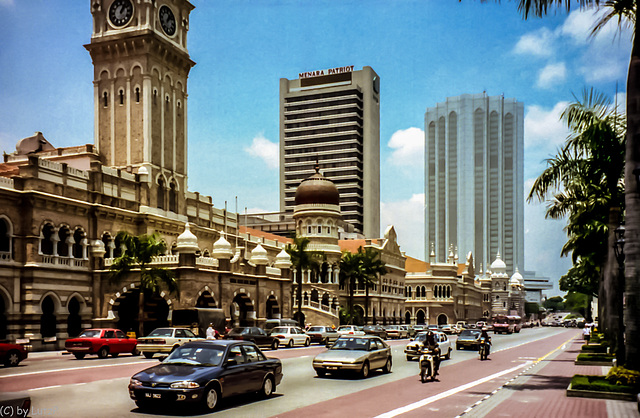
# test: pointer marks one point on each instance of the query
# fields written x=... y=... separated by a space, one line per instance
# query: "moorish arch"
x=206 y=299
x=75 y=307
x=49 y=306
x=407 y=317
x=420 y=317
x=272 y=308
x=242 y=311
x=125 y=308
x=5 y=309
x=442 y=319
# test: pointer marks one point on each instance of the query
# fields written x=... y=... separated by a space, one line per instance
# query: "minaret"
x=141 y=65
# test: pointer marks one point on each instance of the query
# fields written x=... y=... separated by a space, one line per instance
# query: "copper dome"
x=317 y=189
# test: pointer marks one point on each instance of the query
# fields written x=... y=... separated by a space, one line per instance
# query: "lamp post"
x=618 y=248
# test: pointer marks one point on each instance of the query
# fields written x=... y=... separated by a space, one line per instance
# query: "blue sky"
x=423 y=50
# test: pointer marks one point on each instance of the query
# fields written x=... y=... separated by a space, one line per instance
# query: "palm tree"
x=372 y=266
x=137 y=257
x=586 y=177
x=351 y=272
x=301 y=260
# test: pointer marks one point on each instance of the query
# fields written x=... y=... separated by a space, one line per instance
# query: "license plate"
x=332 y=368
x=153 y=395
x=157 y=395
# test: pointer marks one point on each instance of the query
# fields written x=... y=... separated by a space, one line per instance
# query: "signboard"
x=329 y=71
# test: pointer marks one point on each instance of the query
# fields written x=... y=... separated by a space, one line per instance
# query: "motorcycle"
x=427 y=366
x=484 y=349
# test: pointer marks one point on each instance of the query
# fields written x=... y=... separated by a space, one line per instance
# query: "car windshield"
x=348 y=328
x=469 y=333
x=196 y=356
x=90 y=333
x=351 y=344
x=277 y=330
x=161 y=332
x=422 y=337
x=315 y=329
x=239 y=330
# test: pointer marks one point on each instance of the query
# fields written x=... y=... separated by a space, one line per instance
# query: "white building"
x=474 y=184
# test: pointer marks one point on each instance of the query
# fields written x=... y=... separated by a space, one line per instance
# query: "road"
x=61 y=386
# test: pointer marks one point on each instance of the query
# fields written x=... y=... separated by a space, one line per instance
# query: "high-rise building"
x=332 y=118
x=474 y=183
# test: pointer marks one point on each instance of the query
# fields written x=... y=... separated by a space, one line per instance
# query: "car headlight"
x=185 y=384
x=135 y=382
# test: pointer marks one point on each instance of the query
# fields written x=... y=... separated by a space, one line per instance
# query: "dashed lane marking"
x=76 y=368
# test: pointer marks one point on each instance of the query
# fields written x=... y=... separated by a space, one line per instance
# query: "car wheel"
x=103 y=352
x=409 y=358
x=321 y=372
x=79 y=356
x=148 y=355
x=267 y=387
x=307 y=342
x=211 y=398
x=387 y=366
x=135 y=352
x=275 y=344
x=13 y=359
x=448 y=355
x=114 y=354
x=364 y=373
x=290 y=344
x=142 y=405
x=174 y=348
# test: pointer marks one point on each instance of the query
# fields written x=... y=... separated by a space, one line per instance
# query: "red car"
x=101 y=341
x=12 y=354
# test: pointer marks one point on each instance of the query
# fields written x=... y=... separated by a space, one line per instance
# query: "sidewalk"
x=540 y=391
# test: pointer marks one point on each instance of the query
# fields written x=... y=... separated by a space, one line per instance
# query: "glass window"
x=189 y=334
x=236 y=354
x=109 y=334
x=120 y=334
x=180 y=333
x=252 y=354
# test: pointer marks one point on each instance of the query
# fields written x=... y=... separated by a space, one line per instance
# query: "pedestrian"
x=211 y=333
x=586 y=333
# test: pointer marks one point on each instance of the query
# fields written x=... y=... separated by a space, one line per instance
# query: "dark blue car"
x=201 y=373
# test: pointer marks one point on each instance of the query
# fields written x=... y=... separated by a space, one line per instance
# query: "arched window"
x=78 y=248
x=161 y=193
x=409 y=292
x=105 y=99
x=121 y=95
x=155 y=96
x=173 y=194
x=108 y=245
x=46 y=242
x=5 y=239
x=64 y=236
x=48 y=318
x=137 y=94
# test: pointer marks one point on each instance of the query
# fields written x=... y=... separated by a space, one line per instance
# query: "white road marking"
x=427 y=401
x=77 y=368
x=46 y=387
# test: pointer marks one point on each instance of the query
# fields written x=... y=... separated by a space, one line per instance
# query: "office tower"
x=332 y=117
x=474 y=186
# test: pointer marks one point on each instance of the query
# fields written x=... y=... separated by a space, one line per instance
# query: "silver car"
x=415 y=346
x=354 y=353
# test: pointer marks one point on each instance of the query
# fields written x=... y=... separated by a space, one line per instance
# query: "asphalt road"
x=61 y=386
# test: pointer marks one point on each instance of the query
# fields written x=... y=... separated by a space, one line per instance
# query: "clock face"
x=120 y=12
x=167 y=20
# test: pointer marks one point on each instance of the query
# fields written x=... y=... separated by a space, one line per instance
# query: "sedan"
x=414 y=347
x=12 y=354
x=322 y=334
x=360 y=354
x=396 y=331
x=291 y=335
x=375 y=330
x=468 y=338
x=101 y=341
x=201 y=373
x=255 y=335
x=350 y=330
x=165 y=340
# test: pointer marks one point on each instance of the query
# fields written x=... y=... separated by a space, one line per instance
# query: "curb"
x=616 y=396
x=592 y=363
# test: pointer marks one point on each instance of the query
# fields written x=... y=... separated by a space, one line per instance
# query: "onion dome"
x=283 y=260
x=259 y=256
x=498 y=264
x=222 y=249
x=32 y=144
x=516 y=279
x=187 y=241
x=97 y=248
x=317 y=189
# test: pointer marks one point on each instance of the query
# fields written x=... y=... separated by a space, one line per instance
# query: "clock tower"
x=141 y=65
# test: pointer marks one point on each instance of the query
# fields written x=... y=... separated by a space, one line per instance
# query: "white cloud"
x=407 y=217
x=579 y=24
x=6 y=3
x=408 y=148
x=539 y=43
x=543 y=128
x=262 y=148
x=552 y=75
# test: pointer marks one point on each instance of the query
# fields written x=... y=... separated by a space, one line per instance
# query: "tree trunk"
x=141 y=316
x=632 y=207
x=608 y=290
x=366 y=304
x=351 y=290
x=299 y=296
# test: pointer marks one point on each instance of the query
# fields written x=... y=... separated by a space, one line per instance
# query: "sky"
x=423 y=50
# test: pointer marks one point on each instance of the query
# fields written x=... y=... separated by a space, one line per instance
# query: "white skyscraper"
x=474 y=182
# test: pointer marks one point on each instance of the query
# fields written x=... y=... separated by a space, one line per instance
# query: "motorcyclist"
x=431 y=346
x=484 y=334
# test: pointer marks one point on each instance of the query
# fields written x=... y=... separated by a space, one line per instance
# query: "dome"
x=283 y=260
x=222 y=249
x=143 y=170
x=187 y=241
x=259 y=256
x=31 y=144
x=317 y=189
x=516 y=279
x=498 y=264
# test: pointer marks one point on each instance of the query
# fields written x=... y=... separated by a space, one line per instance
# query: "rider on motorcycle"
x=431 y=346
x=485 y=335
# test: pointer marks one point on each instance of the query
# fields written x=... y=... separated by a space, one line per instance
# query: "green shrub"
x=598 y=383
x=594 y=357
x=594 y=348
x=620 y=376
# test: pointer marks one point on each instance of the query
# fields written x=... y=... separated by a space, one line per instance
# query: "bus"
x=507 y=324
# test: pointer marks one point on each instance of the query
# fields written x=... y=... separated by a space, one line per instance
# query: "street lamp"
x=618 y=249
